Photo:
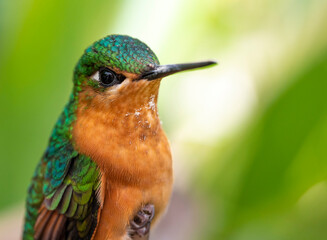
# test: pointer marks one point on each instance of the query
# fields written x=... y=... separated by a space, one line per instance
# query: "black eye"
x=107 y=77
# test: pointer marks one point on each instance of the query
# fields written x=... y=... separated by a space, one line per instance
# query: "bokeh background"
x=249 y=136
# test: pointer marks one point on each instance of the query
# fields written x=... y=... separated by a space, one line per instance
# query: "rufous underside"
x=121 y=131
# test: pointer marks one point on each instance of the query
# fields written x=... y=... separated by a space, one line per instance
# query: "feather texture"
x=62 y=196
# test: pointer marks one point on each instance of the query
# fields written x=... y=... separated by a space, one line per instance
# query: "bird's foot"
x=140 y=224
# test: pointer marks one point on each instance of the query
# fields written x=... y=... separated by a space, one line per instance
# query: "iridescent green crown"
x=117 y=51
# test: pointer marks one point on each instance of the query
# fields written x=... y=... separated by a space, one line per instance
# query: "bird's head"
x=122 y=68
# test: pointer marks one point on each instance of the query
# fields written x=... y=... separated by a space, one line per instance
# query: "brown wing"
x=50 y=225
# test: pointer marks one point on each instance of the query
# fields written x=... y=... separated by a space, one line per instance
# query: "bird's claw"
x=140 y=225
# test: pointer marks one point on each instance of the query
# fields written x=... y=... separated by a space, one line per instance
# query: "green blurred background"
x=249 y=137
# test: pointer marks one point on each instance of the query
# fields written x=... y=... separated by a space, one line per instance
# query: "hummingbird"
x=107 y=171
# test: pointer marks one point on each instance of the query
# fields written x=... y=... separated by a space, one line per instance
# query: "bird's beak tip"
x=214 y=62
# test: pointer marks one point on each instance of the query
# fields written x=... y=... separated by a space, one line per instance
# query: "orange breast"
x=121 y=131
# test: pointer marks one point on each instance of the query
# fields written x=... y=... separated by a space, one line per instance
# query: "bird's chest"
x=134 y=157
x=129 y=146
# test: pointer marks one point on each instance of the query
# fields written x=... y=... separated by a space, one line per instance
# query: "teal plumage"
x=65 y=181
x=33 y=202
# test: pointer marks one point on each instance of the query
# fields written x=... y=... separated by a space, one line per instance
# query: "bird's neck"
x=62 y=129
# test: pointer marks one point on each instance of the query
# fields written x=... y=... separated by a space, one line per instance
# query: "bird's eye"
x=107 y=77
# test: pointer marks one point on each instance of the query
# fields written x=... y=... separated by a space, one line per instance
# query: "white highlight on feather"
x=151 y=103
x=96 y=76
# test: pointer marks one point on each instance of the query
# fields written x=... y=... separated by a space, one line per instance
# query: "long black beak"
x=161 y=71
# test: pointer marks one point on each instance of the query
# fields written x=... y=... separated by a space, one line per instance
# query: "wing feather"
x=62 y=196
